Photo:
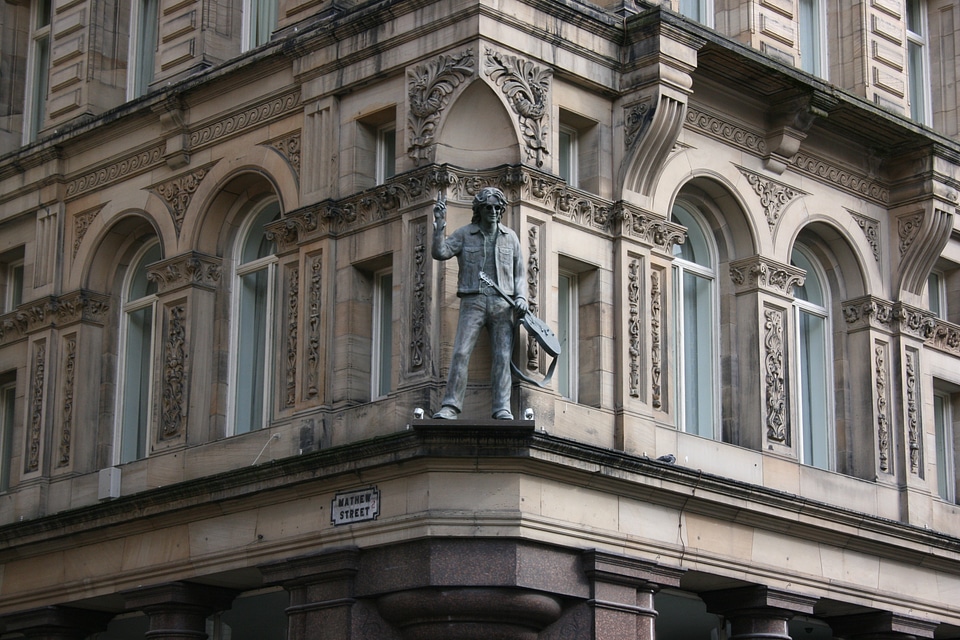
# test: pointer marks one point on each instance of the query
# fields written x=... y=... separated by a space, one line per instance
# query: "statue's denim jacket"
x=466 y=243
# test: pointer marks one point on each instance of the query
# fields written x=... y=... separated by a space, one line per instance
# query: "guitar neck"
x=495 y=286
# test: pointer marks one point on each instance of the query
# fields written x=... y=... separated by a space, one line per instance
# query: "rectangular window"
x=936 y=294
x=38 y=63
x=145 y=19
x=811 y=26
x=259 y=22
x=568 y=331
x=943 y=426
x=567 y=156
x=699 y=10
x=12 y=285
x=386 y=152
x=917 y=67
x=382 y=347
x=8 y=393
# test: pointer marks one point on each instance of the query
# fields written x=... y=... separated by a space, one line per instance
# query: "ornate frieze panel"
x=68 y=381
x=429 y=87
x=292 y=334
x=173 y=406
x=761 y=273
x=81 y=223
x=246 y=118
x=186 y=270
x=314 y=291
x=77 y=306
x=649 y=229
x=775 y=390
x=945 y=337
x=120 y=169
x=840 y=177
x=881 y=395
x=35 y=424
x=527 y=89
x=912 y=402
x=774 y=196
x=288 y=147
x=656 y=324
x=915 y=322
x=633 y=325
x=869 y=312
x=734 y=134
x=177 y=193
x=871 y=230
x=533 y=292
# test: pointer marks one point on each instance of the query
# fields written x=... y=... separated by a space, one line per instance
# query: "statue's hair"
x=481 y=199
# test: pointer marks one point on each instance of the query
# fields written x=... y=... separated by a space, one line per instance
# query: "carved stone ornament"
x=945 y=337
x=178 y=192
x=34 y=433
x=908 y=227
x=429 y=87
x=314 y=335
x=186 y=270
x=883 y=431
x=650 y=229
x=527 y=88
x=418 y=301
x=633 y=325
x=656 y=321
x=774 y=196
x=173 y=400
x=76 y=306
x=761 y=273
x=81 y=223
x=245 y=118
x=775 y=395
x=913 y=409
x=130 y=165
x=911 y=321
x=289 y=147
x=533 y=292
x=869 y=311
x=636 y=117
x=293 y=323
x=69 y=383
x=871 y=230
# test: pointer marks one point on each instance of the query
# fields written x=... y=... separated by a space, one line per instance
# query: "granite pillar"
x=55 y=623
x=758 y=612
x=179 y=610
x=881 y=625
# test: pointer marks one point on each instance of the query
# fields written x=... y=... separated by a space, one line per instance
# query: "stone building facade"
x=221 y=326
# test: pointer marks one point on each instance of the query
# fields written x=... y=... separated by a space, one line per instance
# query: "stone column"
x=179 y=610
x=622 y=595
x=758 y=612
x=55 y=623
x=322 y=593
x=881 y=625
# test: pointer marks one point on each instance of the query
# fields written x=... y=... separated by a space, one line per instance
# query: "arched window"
x=812 y=366
x=695 y=301
x=254 y=311
x=137 y=338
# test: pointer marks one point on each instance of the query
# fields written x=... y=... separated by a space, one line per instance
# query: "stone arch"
x=838 y=253
x=734 y=231
x=462 y=143
x=113 y=246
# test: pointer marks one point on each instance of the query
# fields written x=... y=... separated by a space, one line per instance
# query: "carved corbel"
x=790 y=121
x=664 y=59
x=922 y=236
x=174 y=126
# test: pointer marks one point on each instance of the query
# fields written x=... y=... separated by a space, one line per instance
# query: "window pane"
x=814 y=413
x=384 y=338
x=696 y=337
x=933 y=294
x=252 y=351
x=691 y=9
x=809 y=20
x=695 y=246
x=40 y=84
x=146 y=45
x=944 y=446
x=263 y=21
x=136 y=385
x=915 y=71
x=564 y=155
x=257 y=245
x=7 y=406
x=16 y=286
x=566 y=376
x=386 y=154
x=915 y=17
x=140 y=286
x=812 y=289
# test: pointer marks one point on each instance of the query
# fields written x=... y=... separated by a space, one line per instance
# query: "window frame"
x=8 y=412
x=381 y=339
x=568 y=332
x=816 y=31
x=680 y=268
x=141 y=60
x=801 y=381
x=270 y=265
x=250 y=28
x=13 y=285
x=572 y=165
x=937 y=293
x=918 y=88
x=944 y=443
x=38 y=71
x=704 y=11
x=386 y=154
x=129 y=307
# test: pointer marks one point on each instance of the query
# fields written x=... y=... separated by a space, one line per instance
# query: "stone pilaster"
x=758 y=612
x=881 y=625
x=179 y=610
x=55 y=623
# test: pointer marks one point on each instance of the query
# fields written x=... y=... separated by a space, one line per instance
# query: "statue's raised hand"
x=440 y=211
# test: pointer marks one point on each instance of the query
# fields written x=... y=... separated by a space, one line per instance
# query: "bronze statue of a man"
x=485 y=246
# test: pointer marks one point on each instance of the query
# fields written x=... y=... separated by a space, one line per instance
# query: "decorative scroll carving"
x=774 y=196
x=313 y=339
x=130 y=165
x=36 y=407
x=633 y=325
x=248 y=117
x=650 y=151
x=81 y=223
x=189 y=269
x=173 y=407
x=775 y=389
x=178 y=192
x=44 y=313
x=922 y=237
x=913 y=411
x=717 y=128
x=572 y=206
x=945 y=337
x=429 y=87
x=418 y=311
x=527 y=88
x=871 y=230
x=763 y=273
x=636 y=118
x=533 y=288
x=289 y=148
x=650 y=229
x=69 y=380
x=869 y=311
x=656 y=306
x=919 y=323
x=908 y=227
x=292 y=228
x=883 y=434
x=293 y=322
x=842 y=178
